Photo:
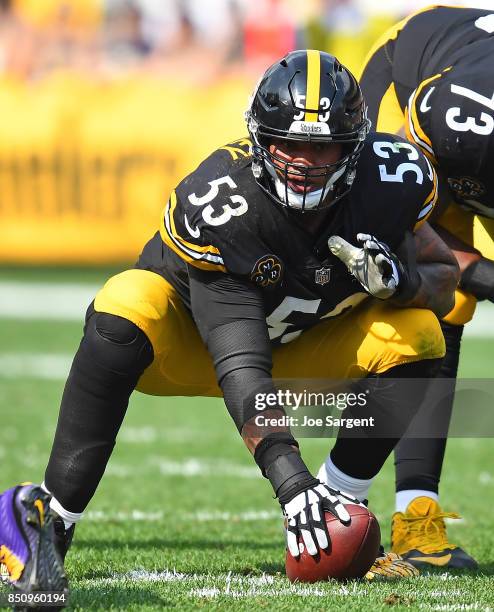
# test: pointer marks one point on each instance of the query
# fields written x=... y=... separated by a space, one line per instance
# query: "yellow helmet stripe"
x=313 y=83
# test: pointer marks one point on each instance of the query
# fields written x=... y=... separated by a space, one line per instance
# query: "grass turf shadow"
x=115 y=597
x=484 y=569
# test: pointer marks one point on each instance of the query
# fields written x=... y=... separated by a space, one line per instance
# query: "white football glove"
x=304 y=516
x=376 y=268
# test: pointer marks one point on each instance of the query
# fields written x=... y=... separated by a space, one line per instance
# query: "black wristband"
x=288 y=473
x=270 y=447
x=478 y=279
x=283 y=466
x=295 y=485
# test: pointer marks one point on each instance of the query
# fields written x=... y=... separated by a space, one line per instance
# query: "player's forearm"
x=242 y=357
x=436 y=292
x=464 y=253
x=230 y=316
x=437 y=271
x=478 y=279
x=266 y=432
x=477 y=272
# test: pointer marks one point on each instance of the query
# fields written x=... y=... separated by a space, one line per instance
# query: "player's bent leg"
x=181 y=365
x=27 y=542
x=418 y=527
x=111 y=357
x=418 y=461
x=376 y=341
x=418 y=530
x=404 y=347
x=370 y=339
x=463 y=311
x=137 y=325
x=355 y=461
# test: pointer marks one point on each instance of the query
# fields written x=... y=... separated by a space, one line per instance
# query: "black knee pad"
x=116 y=343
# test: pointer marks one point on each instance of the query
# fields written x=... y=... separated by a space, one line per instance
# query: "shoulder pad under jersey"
x=209 y=220
x=395 y=189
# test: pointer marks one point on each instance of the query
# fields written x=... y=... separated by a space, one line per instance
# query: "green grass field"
x=184 y=520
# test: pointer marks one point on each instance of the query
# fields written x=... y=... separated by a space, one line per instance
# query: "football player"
x=431 y=77
x=286 y=255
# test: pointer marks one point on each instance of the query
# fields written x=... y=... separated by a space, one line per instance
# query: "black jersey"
x=218 y=219
x=439 y=63
x=436 y=40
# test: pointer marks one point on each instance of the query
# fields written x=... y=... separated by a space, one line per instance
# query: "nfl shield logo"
x=323 y=276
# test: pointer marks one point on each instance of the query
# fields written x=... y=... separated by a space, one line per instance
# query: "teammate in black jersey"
x=431 y=76
x=285 y=255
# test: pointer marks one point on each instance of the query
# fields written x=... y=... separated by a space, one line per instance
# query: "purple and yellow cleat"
x=28 y=555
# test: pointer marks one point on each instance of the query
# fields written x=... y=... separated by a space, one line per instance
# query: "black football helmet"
x=307 y=96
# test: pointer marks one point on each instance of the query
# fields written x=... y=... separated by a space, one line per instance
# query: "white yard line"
x=482 y=324
x=230 y=585
x=45 y=301
x=237 y=586
x=202 y=467
x=68 y=302
x=201 y=516
x=138 y=435
x=190 y=468
x=48 y=366
x=485 y=478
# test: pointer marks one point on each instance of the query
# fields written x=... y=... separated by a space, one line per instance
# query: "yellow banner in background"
x=86 y=168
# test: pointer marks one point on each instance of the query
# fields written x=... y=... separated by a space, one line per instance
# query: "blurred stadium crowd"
x=197 y=40
x=107 y=104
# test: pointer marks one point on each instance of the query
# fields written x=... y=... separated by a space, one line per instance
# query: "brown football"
x=352 y=549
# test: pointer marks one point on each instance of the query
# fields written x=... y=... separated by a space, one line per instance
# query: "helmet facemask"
x=306 y=187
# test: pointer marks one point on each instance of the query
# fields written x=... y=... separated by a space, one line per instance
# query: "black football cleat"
x=63 y=537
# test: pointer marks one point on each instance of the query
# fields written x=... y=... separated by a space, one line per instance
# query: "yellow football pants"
x=371 y=338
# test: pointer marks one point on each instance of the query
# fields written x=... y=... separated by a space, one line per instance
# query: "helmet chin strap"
x=300 y=201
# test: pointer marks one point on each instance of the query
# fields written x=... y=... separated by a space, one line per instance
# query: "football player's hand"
x=376 y=268
x=304 y=515
x=478 y=279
